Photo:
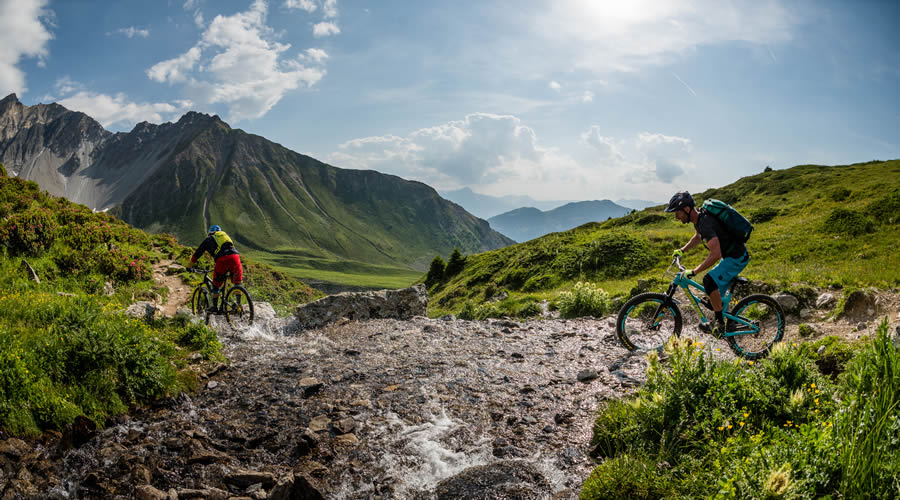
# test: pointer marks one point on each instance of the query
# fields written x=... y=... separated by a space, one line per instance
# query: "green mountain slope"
x=821 y=225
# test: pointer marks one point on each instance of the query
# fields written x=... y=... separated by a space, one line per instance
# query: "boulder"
x=394 y=304
x=825 y=300
x=504 y=479
x=788 y=302
x=859 y=306
x=142 y=310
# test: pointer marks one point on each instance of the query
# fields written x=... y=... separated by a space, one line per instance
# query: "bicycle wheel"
x=645 y=323
x=200 y=301
x=238 y=307
x=767 y=315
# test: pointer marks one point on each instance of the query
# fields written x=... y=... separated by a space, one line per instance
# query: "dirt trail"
x=179 y=291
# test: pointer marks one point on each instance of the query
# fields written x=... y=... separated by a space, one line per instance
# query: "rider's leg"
x=715 y=297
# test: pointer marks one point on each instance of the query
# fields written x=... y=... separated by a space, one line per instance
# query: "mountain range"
x=291 y=210
x=527 y=223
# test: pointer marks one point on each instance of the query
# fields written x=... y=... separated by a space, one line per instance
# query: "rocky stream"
x=344 y=408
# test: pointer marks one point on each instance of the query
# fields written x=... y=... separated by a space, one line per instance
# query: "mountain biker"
x=227 y=259
x=721 y=244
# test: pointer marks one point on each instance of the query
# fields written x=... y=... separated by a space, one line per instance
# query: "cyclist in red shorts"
x=227 y=258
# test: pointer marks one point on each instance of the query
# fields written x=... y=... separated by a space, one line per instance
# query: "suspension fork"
x=658 y=314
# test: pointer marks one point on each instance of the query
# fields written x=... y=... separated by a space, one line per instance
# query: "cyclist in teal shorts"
x=730 y=253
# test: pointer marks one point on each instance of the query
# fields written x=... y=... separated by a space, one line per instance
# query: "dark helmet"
x=214 y=229
x=680 y=200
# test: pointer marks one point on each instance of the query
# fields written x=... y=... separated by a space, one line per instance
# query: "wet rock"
x=263 y=311
x=345 y=426
x=398 y=304
x=319 y=423
x=295 y=487
x=347 y=439
x=516 y=479
x=205 y=494
x=147 y=492
x=309 y=386
x=247 y=478
x=14 y=448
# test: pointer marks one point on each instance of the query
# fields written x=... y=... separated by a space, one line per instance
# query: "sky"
x=554 y=99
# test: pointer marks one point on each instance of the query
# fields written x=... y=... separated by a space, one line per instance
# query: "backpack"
x=734 y=222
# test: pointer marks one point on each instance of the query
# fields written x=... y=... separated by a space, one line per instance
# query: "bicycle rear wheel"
x=647 y=321
x=238 y=307
x=767 y=315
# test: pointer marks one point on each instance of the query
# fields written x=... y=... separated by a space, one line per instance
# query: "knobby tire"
x=768 y=312
x=634 y=324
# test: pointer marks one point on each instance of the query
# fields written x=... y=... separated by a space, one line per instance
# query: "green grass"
x=341 y=272
x=814 y=225
x=778 y=428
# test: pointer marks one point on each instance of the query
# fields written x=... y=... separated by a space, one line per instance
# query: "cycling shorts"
x=728 y=269
x=228 y=264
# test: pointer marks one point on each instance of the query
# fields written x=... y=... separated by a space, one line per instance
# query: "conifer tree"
x=435 y=272
x=455 y=264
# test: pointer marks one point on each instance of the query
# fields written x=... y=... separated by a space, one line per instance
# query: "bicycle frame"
x=685 y=283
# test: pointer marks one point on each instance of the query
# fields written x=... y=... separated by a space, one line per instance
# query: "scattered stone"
x=859 y=305
x=109 y=289
x=319 y=423
x=448 y=317
x=821 y=350
x=212 y=384
x=147 y=492
x=861 y=326
x=310 y=386
x=587 y=375
x=345 y=426
x=347 y=439
x=142 y=310
x=247 y=478
x=503 y=479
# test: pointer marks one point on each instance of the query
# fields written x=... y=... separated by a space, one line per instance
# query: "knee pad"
x=709 y=284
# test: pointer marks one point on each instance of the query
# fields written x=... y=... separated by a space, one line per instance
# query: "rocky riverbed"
x=420 y=408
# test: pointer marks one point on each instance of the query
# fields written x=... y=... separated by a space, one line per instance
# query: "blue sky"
x=558 y=100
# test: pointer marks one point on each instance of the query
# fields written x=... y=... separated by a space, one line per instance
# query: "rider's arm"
x=715 y=253
x=204 y=247
x=691 y=244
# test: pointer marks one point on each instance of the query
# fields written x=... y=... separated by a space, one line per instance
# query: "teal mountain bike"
x=752 y=326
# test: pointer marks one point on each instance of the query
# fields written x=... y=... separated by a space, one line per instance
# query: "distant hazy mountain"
x=524 y=224
x=486 y=206
x=181 y=177
x=638 y=204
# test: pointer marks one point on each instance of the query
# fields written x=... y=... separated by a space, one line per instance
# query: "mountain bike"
x=237 y=305
x=752 y=326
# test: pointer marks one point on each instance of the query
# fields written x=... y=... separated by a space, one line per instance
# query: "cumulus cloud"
x=307 y=5
x=239 y=63
x=110 y=110
x=132 y=32
x=325 y=29
x=330 y=8
x=23 y=34
x=497 y=153
x=648 y=158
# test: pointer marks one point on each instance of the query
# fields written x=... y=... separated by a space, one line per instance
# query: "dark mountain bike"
x=752 y=326
x=236 y=303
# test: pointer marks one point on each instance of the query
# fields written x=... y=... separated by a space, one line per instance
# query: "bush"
x=539 y=282
x=625 y=477
x=887 y=209
x=805 y=330
x=29 y=232
x=848 y=222
x=839 y=194
x=763 y=215
x=584 y=300
x=613 y=255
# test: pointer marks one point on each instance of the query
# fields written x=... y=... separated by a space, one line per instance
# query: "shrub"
x=887 y=209
x=763 y=215
x=848 y=222
x=613 y=255
x=539 y=282
x=585 y=299
x=470 y=311
x=805 y=330
x=29 y=232
x=839 y=194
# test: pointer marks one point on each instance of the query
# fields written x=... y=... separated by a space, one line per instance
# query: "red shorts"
x=228 y=264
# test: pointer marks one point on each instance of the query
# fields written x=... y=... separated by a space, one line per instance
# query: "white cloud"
x=238 y=62
x=588 y=96
x=307 y=5
x=330 y=8
x=555 y=85
x=198 y=19
x=66 y=85
x=497 y=153
x=648 y=158
x=132 y=32
x=325 y=29
x=192 y=4
x=23 y=34
x=110 y=110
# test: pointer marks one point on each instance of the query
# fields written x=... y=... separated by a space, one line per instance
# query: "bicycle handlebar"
x=677 y=262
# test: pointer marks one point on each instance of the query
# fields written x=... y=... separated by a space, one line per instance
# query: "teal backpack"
x=737 y=224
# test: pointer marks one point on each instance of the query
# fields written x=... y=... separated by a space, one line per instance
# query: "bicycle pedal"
x=705 y=327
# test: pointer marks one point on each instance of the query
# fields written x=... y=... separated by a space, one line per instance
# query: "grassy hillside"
x=819 y=225
x=66 y=346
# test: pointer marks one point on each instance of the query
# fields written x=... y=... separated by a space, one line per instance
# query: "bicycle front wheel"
x=647 y=321
x=766 y=319
x=200 y=301
x=238 y=308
